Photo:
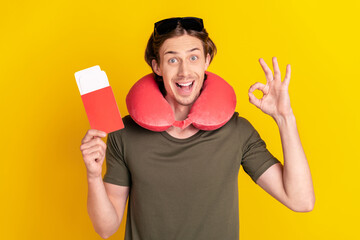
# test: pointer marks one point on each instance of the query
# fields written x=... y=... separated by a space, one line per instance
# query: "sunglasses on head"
x=188 y=23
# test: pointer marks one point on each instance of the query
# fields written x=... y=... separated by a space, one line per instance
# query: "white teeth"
x=185 y=84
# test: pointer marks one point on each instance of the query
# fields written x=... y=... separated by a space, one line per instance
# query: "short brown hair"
x=156 y=41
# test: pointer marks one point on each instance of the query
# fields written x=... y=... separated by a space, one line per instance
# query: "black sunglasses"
x=188 y=23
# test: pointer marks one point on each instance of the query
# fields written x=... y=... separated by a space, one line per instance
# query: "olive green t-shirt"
x=184 y=189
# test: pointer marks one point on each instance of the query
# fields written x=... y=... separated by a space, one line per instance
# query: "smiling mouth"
x=185 y=85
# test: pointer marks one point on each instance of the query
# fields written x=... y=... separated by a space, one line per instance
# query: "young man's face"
x=182 y=67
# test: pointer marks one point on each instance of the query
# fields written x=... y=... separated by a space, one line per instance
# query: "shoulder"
x=128 y=121
x=131 y=131
x=240 y=122
x=128 y=124
x=243 y=129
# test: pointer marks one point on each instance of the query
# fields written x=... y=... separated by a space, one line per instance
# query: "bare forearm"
x=101 y=211
x=296 y=172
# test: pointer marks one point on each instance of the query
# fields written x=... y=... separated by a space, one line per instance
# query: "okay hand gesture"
x=275 y=101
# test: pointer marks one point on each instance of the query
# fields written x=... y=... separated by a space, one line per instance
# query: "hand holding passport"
x=98 y=99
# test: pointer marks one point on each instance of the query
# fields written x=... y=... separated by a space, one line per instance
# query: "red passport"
x=98 y=99
x=102 y=110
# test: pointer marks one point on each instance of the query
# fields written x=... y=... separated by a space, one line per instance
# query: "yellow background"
x=43 y=43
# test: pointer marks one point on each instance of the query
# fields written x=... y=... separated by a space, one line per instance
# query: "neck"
x=182 y=133
x=181 y=112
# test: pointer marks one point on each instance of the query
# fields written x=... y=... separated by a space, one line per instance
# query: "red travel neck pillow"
x=212 y=109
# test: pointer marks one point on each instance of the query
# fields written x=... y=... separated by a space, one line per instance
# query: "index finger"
x=267 y=70
x=91 y=133
x=277 y=73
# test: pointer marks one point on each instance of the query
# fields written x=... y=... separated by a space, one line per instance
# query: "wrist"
x=285 y=120
x=94 y=178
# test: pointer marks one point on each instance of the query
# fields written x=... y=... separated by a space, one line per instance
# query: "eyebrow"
x=173 y=52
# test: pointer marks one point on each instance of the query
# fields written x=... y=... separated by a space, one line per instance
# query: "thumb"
x=254 y=100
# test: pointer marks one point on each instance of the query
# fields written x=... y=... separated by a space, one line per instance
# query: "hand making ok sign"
x=275 y=101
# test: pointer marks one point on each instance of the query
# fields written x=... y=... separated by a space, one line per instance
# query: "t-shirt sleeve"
x=256 y=157
x=117 y=171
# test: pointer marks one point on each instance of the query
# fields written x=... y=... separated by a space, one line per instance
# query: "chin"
x=187 y=102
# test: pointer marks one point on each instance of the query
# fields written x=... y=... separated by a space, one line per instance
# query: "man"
x=184 y=181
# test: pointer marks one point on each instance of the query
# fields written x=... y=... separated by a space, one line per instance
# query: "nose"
x=184 y=69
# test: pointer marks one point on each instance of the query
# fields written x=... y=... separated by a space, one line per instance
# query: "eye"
x=172 y=60
x=193 y=58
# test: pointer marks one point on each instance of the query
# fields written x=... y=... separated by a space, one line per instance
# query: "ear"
x=207 y=61
x=156 y=67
